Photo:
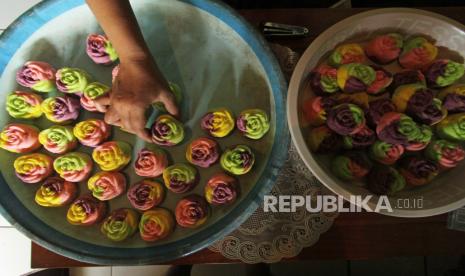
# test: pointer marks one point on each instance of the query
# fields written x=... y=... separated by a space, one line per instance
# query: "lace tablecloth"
x=270 y=237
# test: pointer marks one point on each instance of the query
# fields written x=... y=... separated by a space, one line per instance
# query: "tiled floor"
x=15 y=252
x=15 y=248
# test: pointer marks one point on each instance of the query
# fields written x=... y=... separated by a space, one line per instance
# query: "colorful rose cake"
x=37 y=75
x=19 y=138
x=203 y=152
x=146 y=194
x=100 y=49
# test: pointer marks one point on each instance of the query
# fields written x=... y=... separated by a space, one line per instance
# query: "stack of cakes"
x=388 y=111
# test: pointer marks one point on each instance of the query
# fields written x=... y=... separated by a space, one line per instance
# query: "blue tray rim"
x=12 y=209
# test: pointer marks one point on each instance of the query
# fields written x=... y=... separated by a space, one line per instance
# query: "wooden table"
x=353 y=236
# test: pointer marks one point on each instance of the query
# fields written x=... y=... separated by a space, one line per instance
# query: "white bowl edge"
x=293 y=116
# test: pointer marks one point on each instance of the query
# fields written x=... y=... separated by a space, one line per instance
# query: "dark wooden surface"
x=353 y=236
x=318 y=20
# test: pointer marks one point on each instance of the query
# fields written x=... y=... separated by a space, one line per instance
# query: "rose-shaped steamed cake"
x=203 y=152
x=363 y=138
x=218 y=123
x=418 y=53
x=444 y=72
x=384 y=49
x=383 y=79
x=86 y=210
x=72 y=80
x=58 y=139
x=92 y=132
x=253 y=123
x=120 y=224
x=386 y=153
x=156 y=224
x=324 y=140
x=345 y=119
x=92 y=92
x=167 y=131
x=408 y=77
x=316 y=109
x=237 y=160
x=385 y=180
x=19 y=138
x=323 y=80
x=355 y=77
x=345 y=54
x=33 y=168
x=419 y=103
x=150 y=163
x=400 y=129
x=100 y=49
x=107 y=185
x=180 y=178
x=445 y=153
x=452 y=127
x=352 y=165
x=73 y=166
x=112 y=155
x=221 y=189
x=360 y=98
x=453 y=98
x=24 y=105
x=192 y=211
x=37 y=75
x=55 y=192
x=146 y=194
x=61 y=110
x=418 y=171
x=377 y=108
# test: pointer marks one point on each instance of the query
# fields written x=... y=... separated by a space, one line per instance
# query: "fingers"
x=137 y=124
x=112 y=117
x=102 y=103
x=169 y=101
x=101 y=108
x=103 y=100
x=131 y=120
x=118 y=124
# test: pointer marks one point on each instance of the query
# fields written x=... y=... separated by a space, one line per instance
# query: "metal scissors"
x=277 y=29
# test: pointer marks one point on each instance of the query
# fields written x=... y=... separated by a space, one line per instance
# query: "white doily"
x=269 y=237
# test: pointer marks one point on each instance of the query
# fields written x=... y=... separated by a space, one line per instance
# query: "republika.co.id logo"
x=330 y=203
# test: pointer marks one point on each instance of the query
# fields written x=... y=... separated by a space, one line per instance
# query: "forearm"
x=117 y=19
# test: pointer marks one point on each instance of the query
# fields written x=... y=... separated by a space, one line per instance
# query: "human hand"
x=138 y=84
